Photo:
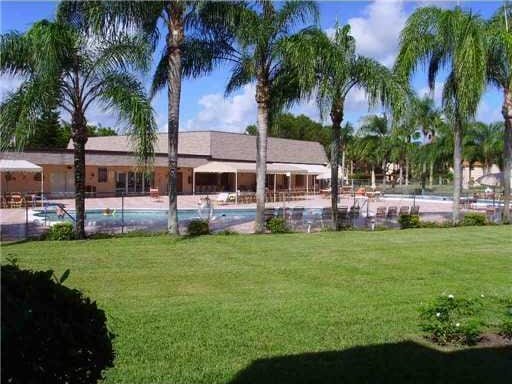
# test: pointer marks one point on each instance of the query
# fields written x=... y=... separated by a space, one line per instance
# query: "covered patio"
x=240 y=178
x=15 y=172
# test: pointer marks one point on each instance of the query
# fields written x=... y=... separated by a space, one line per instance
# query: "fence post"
x=122 y=212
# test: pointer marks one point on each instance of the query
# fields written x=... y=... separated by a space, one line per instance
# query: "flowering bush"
x=451 y=320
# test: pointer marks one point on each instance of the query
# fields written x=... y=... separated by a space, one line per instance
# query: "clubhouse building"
x=208 y=161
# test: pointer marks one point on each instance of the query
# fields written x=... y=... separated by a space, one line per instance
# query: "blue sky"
x=375 y=25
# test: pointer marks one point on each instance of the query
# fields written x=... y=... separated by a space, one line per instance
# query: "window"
x=102 y=175
x=37 y=177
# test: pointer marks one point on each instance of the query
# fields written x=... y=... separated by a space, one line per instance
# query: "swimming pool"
x=141 y=217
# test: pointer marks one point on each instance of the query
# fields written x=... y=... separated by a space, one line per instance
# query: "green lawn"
x=325 y=307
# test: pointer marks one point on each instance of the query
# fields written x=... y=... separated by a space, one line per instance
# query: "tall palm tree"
x=62 y=66
x=264 y=38
x=377 y=131
x=195 y=39
x=484 y=143
x=333 y=69
x=451 y=39
x=500 y=74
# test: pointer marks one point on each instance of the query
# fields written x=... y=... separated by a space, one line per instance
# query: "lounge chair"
x=223 y=198
x=415 y=210
x=381 y=213
x=404 y=210
x=392 y=211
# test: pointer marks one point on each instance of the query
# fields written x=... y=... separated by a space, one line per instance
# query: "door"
x=180 y=182
x=57 y=182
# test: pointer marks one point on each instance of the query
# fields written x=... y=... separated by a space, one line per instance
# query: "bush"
x=451 y=320
x=61 y=231
x=50 y=333
x=198 y=228
x=277 y=225
x=409 y=221
x=506 y=328
x=474 y=219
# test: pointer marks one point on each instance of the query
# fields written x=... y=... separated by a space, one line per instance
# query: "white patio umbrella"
x=491 y=179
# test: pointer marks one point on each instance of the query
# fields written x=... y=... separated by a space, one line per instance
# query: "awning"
x=19 y=166
x=237 y=167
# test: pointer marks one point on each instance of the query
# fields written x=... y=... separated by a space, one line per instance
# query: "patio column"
x=236 y=187
x=307 y=184
x=42 y=188
x=275 y=186
x=193 y=182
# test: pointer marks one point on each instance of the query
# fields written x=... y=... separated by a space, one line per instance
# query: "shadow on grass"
x=405 y=362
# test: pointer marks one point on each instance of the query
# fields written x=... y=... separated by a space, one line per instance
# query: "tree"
x=484 y=143
x=49 y=133
x=99 y=130
x=63 y=66
x=335 y=70
x=499 y=73
x=264 y=40
x=288 y=126
x=451 y=39
x=195 y=40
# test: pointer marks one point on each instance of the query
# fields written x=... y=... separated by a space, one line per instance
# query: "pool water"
x=146 y=217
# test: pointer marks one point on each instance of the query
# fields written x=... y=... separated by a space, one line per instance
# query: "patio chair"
x=222 y=198
x=297 y=215
x=415 y=210
x=381 y=213
x=404 y=210
x=392 y=211
x=16 y=201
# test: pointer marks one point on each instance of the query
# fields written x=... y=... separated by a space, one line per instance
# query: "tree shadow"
x=405 y=362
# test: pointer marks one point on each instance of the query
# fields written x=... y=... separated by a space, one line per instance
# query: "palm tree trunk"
x=336 y=119
x=79 y=132
x=406 y=171
x=507 y=155
x=342 y=167
x=263 y=100
x=175 y=40
x=384 y=169
x=457 y=170
x=401 y=173
x=373 y=177
x=431 y=175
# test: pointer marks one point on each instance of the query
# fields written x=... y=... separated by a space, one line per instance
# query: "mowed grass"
x=203 y=310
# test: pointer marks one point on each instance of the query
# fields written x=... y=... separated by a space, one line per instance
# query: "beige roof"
x=232 y=167
x=18 y=166
x=222 y=146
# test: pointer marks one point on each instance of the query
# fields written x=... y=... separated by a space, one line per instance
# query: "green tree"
x=63 y=66
x=499 y=72
x=48 y=132
x=264 y=38
x=484 y=143
x=332 y=71
x=451 y=39
x=195 y=39
x=99 y=130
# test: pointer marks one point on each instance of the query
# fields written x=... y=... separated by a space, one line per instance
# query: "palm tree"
x=451 y=39
x=376 y=130
x=333 y=69
x=484 y=143
x=500 y=74
x=195 y=40
x=62 y=66
x=264 y=39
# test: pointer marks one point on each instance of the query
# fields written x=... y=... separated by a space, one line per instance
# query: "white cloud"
x=8 y=84
x=232 y=113
x=377 y=32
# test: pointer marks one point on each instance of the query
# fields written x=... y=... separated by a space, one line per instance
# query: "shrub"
x=409 y=221
x=277 y=225
x=198 y=228
x=227 y=232
x=474 y=219
x=506 y=328
x=451 y=320
x=61 y=231
x=50 y=333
